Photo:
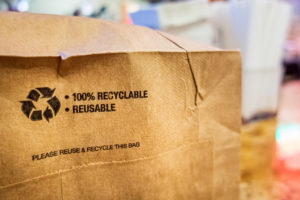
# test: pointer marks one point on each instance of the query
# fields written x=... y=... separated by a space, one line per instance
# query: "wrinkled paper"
x=92 y=109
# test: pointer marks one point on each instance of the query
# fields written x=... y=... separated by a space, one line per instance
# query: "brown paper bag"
x=93 y=109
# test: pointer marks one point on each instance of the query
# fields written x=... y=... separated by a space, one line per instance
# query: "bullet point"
x=67 y=109
x=67 y=96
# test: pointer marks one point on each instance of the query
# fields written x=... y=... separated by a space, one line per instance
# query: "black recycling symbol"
x=47 y=113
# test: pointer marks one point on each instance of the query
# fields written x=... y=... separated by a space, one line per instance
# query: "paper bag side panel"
x=218 y=75
x=165 y=124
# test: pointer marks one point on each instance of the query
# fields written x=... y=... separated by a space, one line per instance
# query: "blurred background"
x=268 y=34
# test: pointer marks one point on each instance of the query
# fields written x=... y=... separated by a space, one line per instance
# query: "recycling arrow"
x=48 y=114
x=33 y=95
x=27 y=107
x=46 y=92
x=36 y=115
x=55 y=104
